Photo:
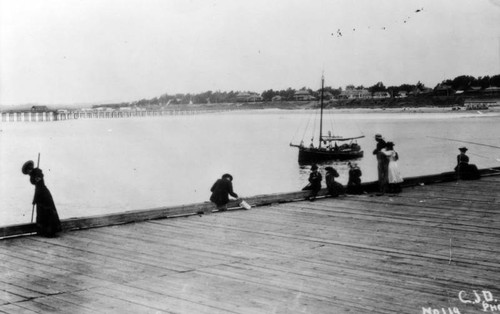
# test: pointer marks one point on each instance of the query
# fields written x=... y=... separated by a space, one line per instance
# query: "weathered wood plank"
x=15 y=309
x=358 y=254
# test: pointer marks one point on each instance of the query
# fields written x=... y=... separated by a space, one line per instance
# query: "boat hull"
x=314 y=154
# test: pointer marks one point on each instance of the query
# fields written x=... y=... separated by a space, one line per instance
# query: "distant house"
x=379 y=95
x=248 y=97
x=255 y=98
x=355 y=93
x=303 y=95
x=242 y=97
x=326 y=95
x=443 y=90
x=493 y=90
x=472 y=90
x=424 y=91
x=402 y=94
x=39 y=109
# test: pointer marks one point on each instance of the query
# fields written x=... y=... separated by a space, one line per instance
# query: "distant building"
x=493 y=90
x=472 y=90
x=303 y=95
x=379 y=95
x=248 y=97
x=355 y=94
x=255 y=98
x=326 y=95
x=425 y=91
x=402 y=94
x=444 y=90
x=39 y=109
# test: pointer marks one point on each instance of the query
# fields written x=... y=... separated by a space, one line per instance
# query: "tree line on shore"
x=464 y=85
x=459 y=83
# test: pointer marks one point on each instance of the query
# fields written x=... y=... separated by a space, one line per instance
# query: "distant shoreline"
x=419 y=110
x=416 y=110
x=297 y=107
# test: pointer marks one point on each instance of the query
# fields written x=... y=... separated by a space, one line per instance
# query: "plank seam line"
x=103 y=255
x=165 y=293
x=379 y=275
x=365 y=247
x=399 y=218
x=309 y=294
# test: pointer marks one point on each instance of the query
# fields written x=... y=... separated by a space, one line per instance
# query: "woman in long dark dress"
x=47 y=219
x=221 y=190
x=334 y=188
x=464 y=170
x=354 y=183
x=314 y=183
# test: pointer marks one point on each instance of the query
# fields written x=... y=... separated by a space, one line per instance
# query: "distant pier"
x=60 y=115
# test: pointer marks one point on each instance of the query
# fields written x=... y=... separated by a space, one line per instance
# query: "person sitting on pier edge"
x=354 y=183
x=47 y=219
x=464 y=170
x=382 y=164
x=394 y=177
x=221 y=190
x=334 y=188
x=314 y=183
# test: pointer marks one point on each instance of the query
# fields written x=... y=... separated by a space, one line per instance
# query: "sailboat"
x=330 y=147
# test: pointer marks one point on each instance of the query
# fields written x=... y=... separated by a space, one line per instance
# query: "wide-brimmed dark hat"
x=389 y=144
x=463 y=149
x=329 y=169
x=28 y=165
x=227 y=175
x=378 y=136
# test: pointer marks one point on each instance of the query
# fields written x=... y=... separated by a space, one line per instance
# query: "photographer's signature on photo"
x=483 y=300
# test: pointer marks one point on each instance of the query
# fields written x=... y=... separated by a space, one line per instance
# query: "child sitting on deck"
x=314 y=183
x=334 y=188
x=354 y=183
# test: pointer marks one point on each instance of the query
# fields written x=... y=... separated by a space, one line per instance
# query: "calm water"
x=99 y=166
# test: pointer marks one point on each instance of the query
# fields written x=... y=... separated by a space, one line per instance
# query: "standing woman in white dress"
x=394 y=175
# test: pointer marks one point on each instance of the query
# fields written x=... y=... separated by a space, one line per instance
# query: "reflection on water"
x=102 y=166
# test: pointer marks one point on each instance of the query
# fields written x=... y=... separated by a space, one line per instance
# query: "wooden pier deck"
x=432 y=249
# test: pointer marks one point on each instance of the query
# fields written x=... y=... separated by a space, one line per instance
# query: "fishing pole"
x=449 y=139
x=33 y=209
x=473 y=154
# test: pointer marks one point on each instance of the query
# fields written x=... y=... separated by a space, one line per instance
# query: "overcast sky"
x=92 y=51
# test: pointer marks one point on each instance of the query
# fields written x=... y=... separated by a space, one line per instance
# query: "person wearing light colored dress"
x=394 y=177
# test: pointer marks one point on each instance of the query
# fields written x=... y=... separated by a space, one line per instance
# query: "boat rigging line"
x=311 y=116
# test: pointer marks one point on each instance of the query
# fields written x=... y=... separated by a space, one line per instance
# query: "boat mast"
x=321 y=114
